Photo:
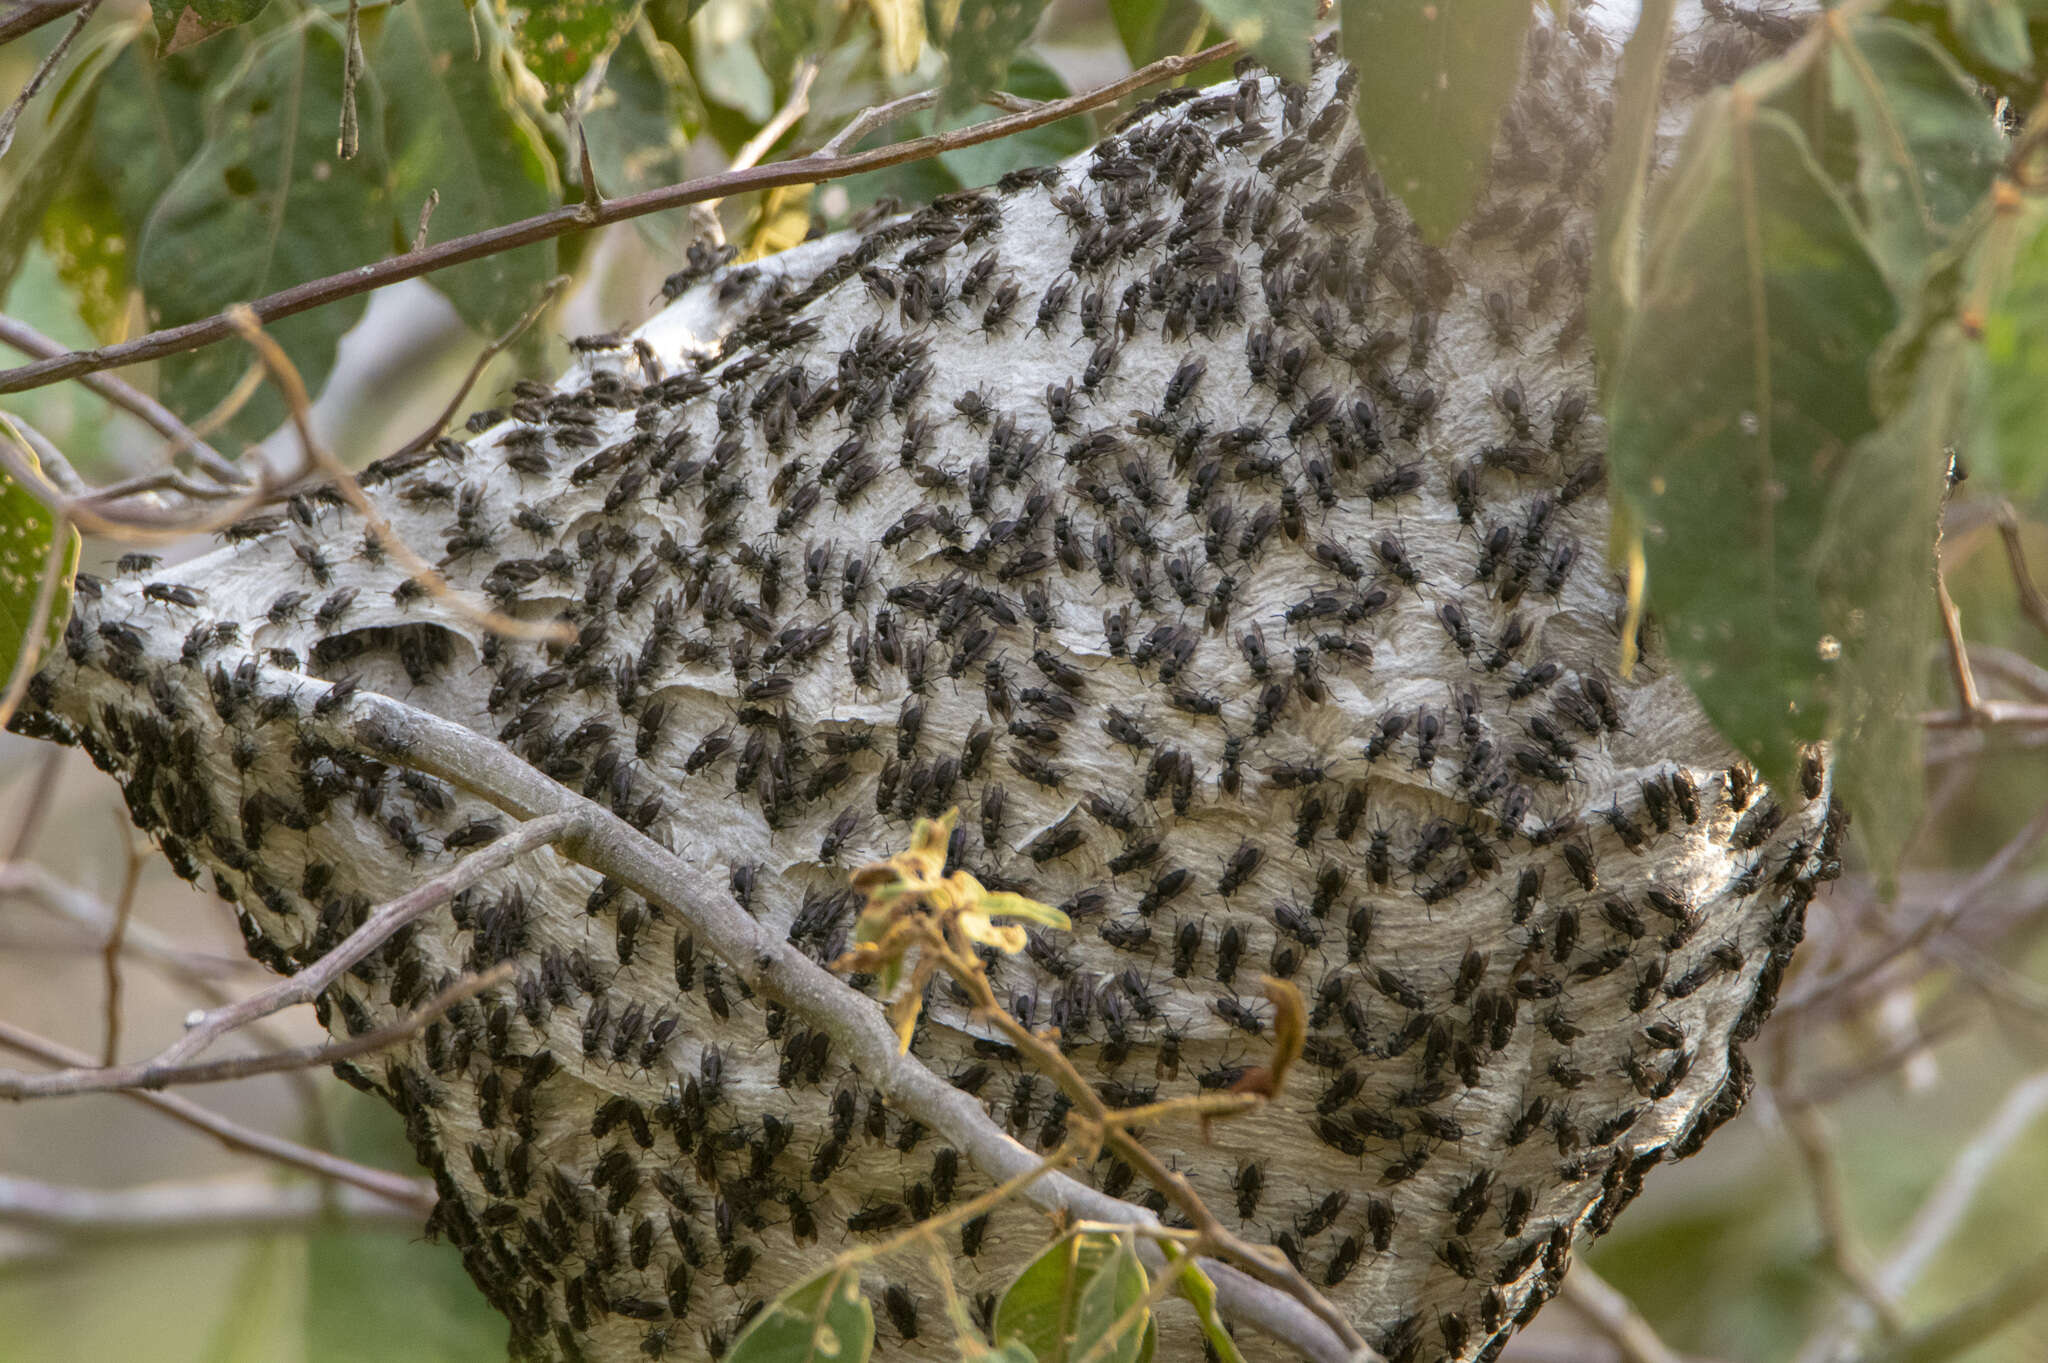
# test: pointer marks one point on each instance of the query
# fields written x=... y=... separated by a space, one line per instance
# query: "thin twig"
x=42 y=74
x=1833 y=989
x=576 y=218
x=549 y=292
x=110 y=954
x=415 y=1193
x=705 y=214
x=40 y=794
x=237 y=1205
x=131 y=400
x=1940 y=1215
x=877 y=116
x=94 y=919
x=309 y=983
x=1837 y=1228
x=286 y=375
x=161 y=1076
x=2021 y=1293
x=1969 y=705
x=2032 y=605
x=56 y=485
x=1613 y=1316
x=30 y=15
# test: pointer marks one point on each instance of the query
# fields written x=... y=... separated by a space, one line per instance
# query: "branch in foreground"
x=584 y=216
x=170 y=1065
x=405 y=736
x=416 y=1194
x=27 y=16
x=133 y=401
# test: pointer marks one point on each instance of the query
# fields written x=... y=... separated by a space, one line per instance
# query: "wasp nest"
x=1231 y=558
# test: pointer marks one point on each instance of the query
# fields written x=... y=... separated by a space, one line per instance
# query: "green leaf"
x=980 y=44
x=1275 y=31
x=141 y=141
x=1995 y=31
x=1617 y=286
x=1066 y=1299
x=1738 y=397
x=51 y=141
x=1877 y=561
x=1108 y=1308
x=559 y=41
x=88 y=246
x=27 y=531
x=1433 y=80
x=988 y=162
x=454 y=128
x=1926 y=147
x=1200 y=1292
x=2013 y=443
x=1016 y=1351
x=723 y=60
x=899 y=24
x=353 y=1277
x=821 y=1320
x=267 y=203
x=183 y=23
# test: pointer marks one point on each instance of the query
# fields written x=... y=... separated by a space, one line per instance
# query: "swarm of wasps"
x=1228 y=555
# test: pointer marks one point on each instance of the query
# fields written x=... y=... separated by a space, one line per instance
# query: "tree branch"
x=414 y=1193
x=304 y=987
x=1613 y=1316
x=580 y=217
x=131 y=400
x=231 y=1206
x=26 y=17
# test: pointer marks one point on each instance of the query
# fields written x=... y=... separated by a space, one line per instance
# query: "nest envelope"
x=1231 y=558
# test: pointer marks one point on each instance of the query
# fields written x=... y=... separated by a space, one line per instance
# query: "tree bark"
x=1231 y=558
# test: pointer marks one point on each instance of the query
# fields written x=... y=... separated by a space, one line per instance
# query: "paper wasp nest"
x=1233 y=561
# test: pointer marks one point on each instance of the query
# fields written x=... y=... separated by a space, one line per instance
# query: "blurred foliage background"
x=178 y=126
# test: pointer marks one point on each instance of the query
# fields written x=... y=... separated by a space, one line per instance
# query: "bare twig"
x=2031 y=603
x=1838 y=1231
x=110 y=954
x=286 y=375
x=705 y=214
x=1832 y=990
x=131 y=400
x=95 y=918
x=575 y=218
x=158 y=1075
x=309 y=983
x=1940 y=1214
x=29 y=15
x=1969 y=705
x=42 y=74
x=878 y=116
x=218 y=1206
x=414 y=1193
x=549 y=292
x=1613 y=1316
x=2023 y=1292
x=57 y=486
x=35 y=806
